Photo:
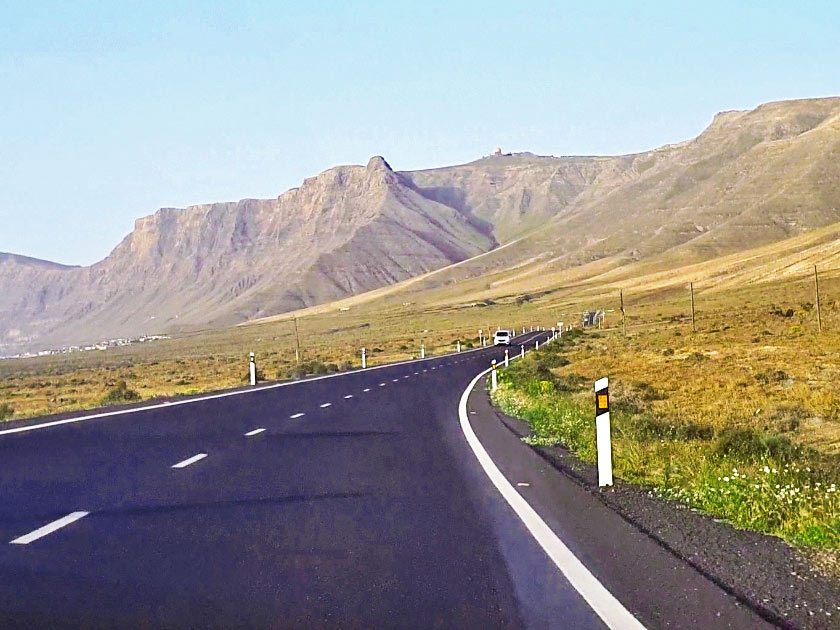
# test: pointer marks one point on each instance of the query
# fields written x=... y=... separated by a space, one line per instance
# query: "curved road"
x=352 y=501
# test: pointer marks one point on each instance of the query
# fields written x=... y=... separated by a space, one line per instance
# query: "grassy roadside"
x=215 y=360
x=742 y=471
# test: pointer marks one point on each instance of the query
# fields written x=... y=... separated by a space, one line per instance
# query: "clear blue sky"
x=108 y=112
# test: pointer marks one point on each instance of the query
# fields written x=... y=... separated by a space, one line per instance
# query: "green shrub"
x=554 y=360
x=120 y=394
x=6 y=411
x=748 y=444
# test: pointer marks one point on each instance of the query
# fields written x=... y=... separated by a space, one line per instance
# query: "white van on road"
x=501 y=338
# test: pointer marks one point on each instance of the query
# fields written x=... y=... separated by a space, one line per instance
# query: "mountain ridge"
x=751 y=177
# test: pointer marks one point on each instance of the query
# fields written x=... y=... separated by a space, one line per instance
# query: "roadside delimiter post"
x=422 y=351
x=507 y=358
x=493 y=376
x=602 y=432
x=459 y=345
x=252 y=367
x=364 y=359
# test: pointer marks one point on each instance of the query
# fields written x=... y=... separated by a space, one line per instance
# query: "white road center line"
x=190 y=401
x=416 y=373
x=296 y=415
x=254 y=432
x=348 y=396
x=191 y=460
x=49 y=528
x=325 y=405
x=381 y=384
x=366 y=389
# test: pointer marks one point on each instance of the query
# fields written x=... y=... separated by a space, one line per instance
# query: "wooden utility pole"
x=693 y=326
x=297 y=343
x=817 y=288
x=623 y=314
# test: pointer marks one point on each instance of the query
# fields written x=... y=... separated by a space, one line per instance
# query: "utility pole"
x=297 y=343
x=623 y=315
x=691 y=288
x=817 y=288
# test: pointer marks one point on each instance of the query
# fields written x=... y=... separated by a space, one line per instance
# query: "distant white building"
x=498 y=151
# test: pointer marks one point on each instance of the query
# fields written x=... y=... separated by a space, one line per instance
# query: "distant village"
x=104 y=345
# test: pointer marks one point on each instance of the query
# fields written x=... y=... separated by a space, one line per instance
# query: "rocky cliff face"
x=751 y=178
x=347 y=230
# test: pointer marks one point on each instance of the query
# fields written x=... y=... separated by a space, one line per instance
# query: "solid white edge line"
x=174 y=403
x=254 y=432
x=604 y=603
x=49 y=528
x=191 y=460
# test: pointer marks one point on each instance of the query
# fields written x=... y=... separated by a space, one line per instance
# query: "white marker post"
x=423 y=351
x=602 y=432
x=537 y=344
x=522 y=351
x=364 y=359
x=252 y=367
x=493 y=376
x=507 y=358
x=480 y=337
x=560 y=329
x=459 y=345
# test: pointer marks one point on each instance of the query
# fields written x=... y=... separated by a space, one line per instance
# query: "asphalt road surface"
x=346 y=502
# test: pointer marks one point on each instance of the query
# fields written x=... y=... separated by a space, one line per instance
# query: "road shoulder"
x=660 y=589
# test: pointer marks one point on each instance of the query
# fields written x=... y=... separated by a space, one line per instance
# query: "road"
x=353 y=501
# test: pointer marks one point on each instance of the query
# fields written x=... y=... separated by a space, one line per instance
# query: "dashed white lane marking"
x=191 y=460
x=381 y=384
x=325 y=405
x=366 y=389
x=406 y=376
x=254 y=432
x=49 y=528
x=348 y=396
x=425 y=370
x=395 y=380
x=189 y=401
x=416 y=373
x=604 y=603
x=296 y=415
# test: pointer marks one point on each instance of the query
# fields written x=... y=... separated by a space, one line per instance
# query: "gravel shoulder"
x=762 y=572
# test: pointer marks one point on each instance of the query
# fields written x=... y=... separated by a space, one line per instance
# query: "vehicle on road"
x=501 y=338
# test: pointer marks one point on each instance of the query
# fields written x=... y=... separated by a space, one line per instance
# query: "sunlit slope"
x=500 y=227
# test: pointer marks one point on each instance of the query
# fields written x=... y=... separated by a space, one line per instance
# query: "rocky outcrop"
x=751 y=178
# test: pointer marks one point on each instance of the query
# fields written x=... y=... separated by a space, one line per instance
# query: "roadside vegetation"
x=215 y=360
x=700 y=421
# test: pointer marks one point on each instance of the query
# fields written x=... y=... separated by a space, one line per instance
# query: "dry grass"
x=214 y=360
